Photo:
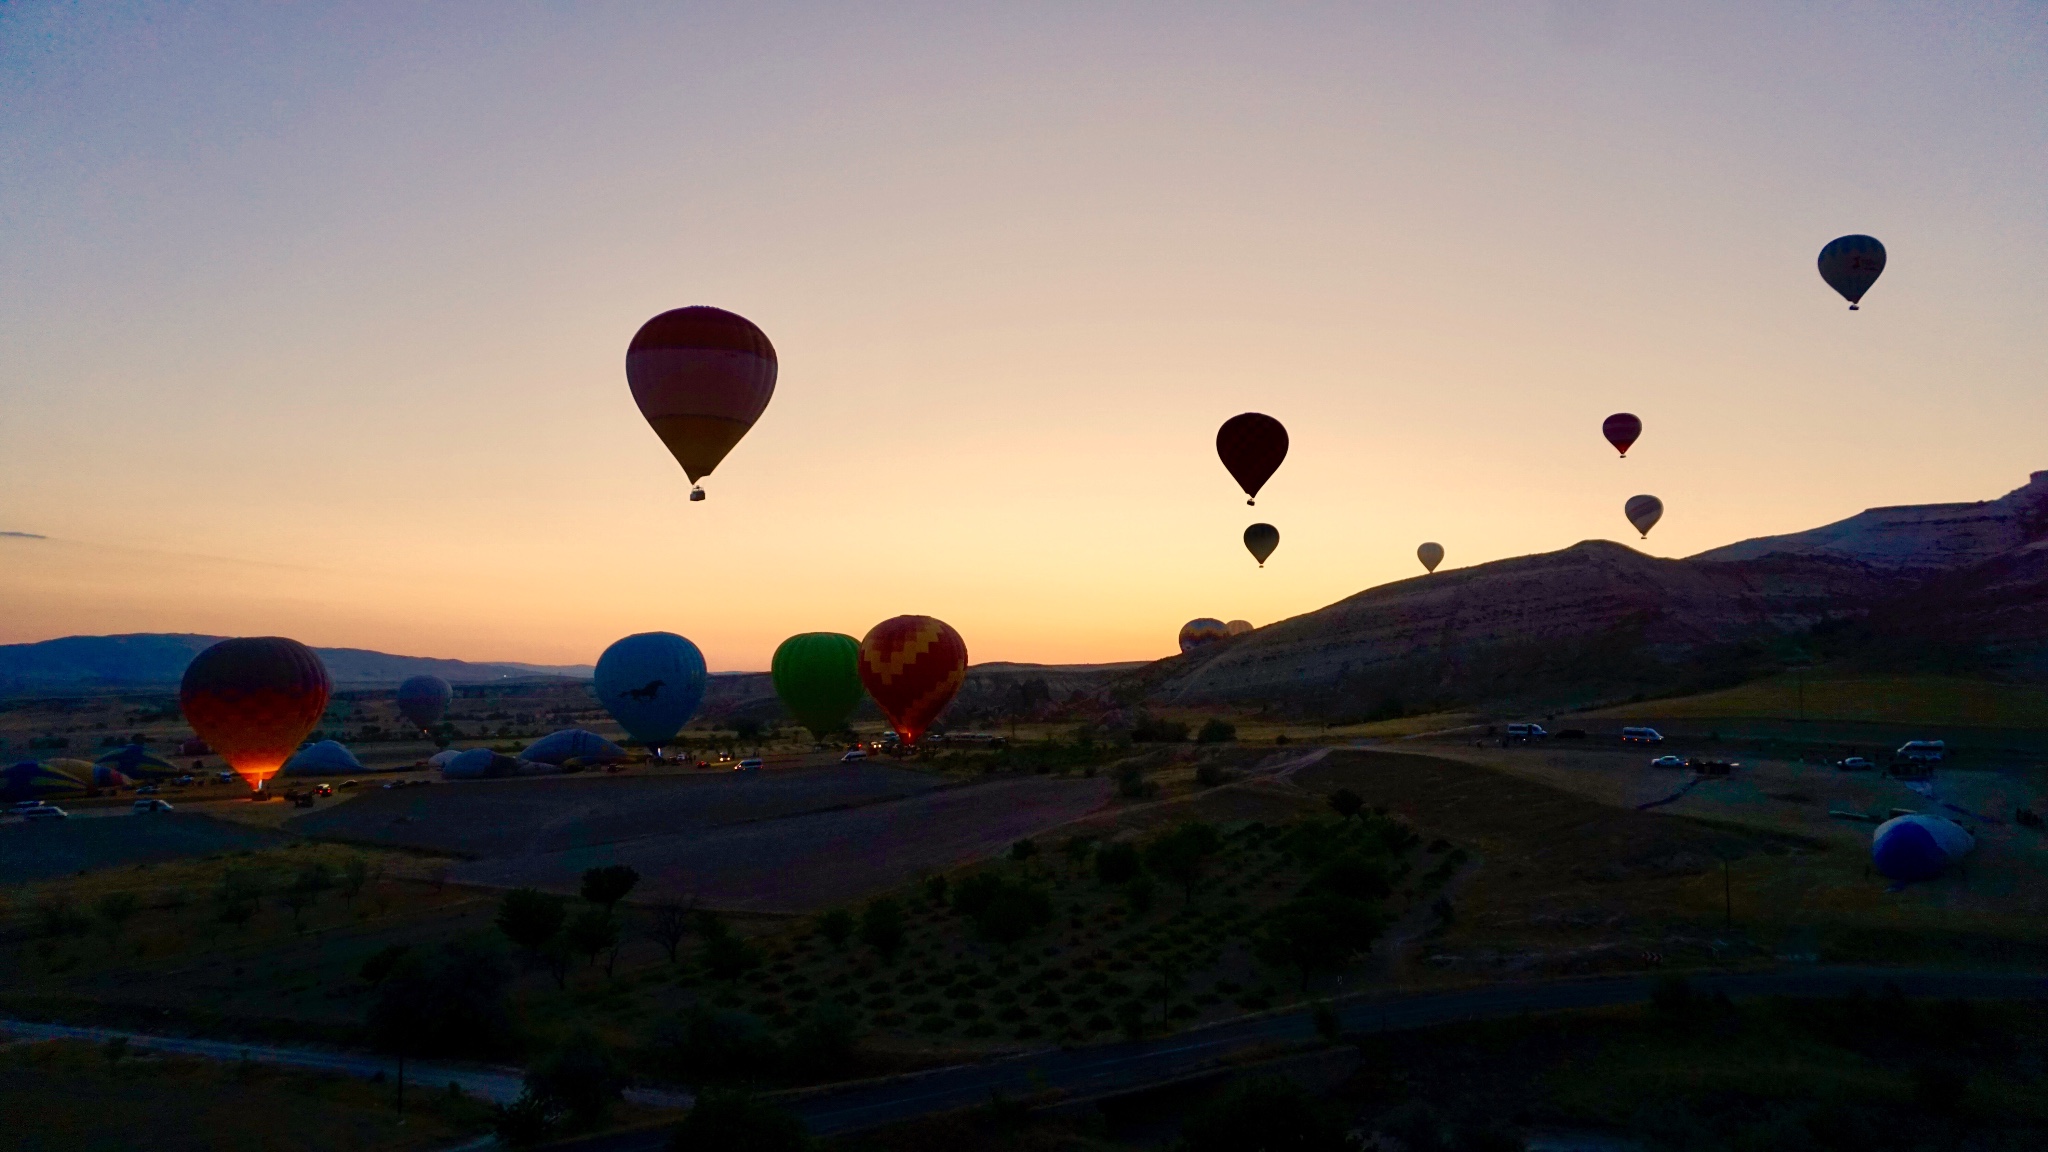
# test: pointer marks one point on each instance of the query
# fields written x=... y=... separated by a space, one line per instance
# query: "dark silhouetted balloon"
x=817 y=674
x=1644 y=512
x=1202 y=632
x=254 y=699
x=1252 y=446
x=912 y=666
x=1851 y=264
x=1431 y=555
x=1239 y=627
x=1621 y=429
x=1260 y=540
x=651 y=683
x=701 y=376
x=424 y=700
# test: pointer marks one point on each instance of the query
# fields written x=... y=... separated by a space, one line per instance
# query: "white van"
x=1526 y=732
x=1923 y=751
x=1641 y=736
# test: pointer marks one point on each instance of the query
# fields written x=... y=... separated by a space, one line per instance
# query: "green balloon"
x=817 y=674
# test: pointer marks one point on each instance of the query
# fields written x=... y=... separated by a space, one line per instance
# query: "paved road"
x=1110 y=1069
x=1083 y=1073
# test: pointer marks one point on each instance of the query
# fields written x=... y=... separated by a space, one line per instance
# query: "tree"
x=717 y=1043
x=1354 y=876
x=737 y=1121
x=881 y=927
x=529 y=918
x=1265 y=1113
x=1023 y=850
x=355 y=872
x=1002 y=911
x=116 y=908
x=1346 y=803
x=823 y=1041
x=239 y=895
x=1314 y=934
x=1116 y=863
x=1181 y=854
x=1216 y=732
x=592 y=931
x=305 y=889
x=836 y=927
x=668 y=921
x=608 y=885
x=447 y=1002
x=582 y=1076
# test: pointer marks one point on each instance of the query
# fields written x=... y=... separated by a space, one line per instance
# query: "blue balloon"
x=1911 y=848
x=651 y=682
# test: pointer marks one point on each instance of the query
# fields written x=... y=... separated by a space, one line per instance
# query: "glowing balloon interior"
x=254 y=699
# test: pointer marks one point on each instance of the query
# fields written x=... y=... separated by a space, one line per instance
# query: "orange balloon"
x=255 y=699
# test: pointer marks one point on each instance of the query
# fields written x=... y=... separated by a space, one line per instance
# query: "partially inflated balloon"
x=1851 y=264
x=1252 y=446
x=1261 y=539
x=912 y=666
x=1431 y=555
x=423 y=700
x=254 y=699
x=1202 y=632
x=1622 y=429
x=817 y=674
x=701 y=376
x=1644 y=512
x=1239 y=627
x=651 y=683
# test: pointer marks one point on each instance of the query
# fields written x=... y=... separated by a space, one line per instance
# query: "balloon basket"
x=696 y=494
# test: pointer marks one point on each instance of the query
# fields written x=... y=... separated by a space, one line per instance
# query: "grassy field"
x=74 y=1097
x=1822 y=695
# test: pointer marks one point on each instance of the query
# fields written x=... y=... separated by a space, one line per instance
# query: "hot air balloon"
x=29 y=780
x=1260 y=540
x=1252 y=446
x=817 y=674
x=1622 y=429
x=136 y=763
x=1851 y=264
x=1644 y=512
x=254 y=699
x=651 y=683
x=1202 y=632
x=912 y=666
x=701 y=376
x=423 y=700
x=323 y=758
x=560 y=747
x=1239 y=627
x=1915 y=847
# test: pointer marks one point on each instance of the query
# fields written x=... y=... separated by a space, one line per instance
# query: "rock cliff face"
x=1916 y=537
x=1600 y=618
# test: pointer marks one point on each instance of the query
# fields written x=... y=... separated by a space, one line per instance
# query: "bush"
x=608 y=885
x=823 y=1041
x=881 y=927
x=1315 y=934
x=1210 y=775
x=1139 y=892
x=717 y=1044
x=1217 y=732
x=728 y=957
x=736 y=1122
x=1346 y=803
x=1354 y=876
x=836 y=927
x=1149 y=730
x=530 y=918
x=524 y=1122
x=1182 y=854
x=1003 y=911
x=450 y=1001
x=1116 y=863
x=581 y=1077
x=1269 y=1113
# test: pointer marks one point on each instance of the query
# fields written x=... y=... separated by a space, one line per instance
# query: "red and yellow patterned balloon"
x=254 y=699
x=912 y=666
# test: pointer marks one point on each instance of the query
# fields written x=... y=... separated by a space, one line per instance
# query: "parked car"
x=46 y=812
x=348 y=783
x=21 y=806
x=750 y=764
x=1855 y=764
x=148 y=790
x=1641 y=736
x=152 y=805
x=225 y=777
x=323 y=789
x=1668 y=762
x=1571 y=734
x=856 y=754
x=185 y=781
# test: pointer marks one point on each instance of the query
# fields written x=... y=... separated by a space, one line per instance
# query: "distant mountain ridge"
x=1915 y=537
x=158 y=659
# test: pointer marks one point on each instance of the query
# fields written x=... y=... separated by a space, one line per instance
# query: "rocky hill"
x=1600 y=621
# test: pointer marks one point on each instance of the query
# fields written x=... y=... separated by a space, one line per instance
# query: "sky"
x=313 y=317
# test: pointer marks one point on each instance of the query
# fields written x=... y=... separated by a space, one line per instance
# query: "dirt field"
x=492 y=818
x=805 y=862
x=53 y=848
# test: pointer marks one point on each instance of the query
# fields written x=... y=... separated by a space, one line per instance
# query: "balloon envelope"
x=324 y=758
x=701 y=376
x=651 y=683
x=1916 y=847
x=136 y=763
x=1621 y=429
x=423 y=700
x=1252 y=446
x=1851 y=264
x=817 y=675
x=1202 y=632
x=568 y=744
x=1260 y=540
x=254 y=699
x=1239 y=627
x=1431 y=555
x=29 y=780
x=912 y=666
x=1644 y=512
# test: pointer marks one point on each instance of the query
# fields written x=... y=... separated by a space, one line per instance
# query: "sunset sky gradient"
x=313 y=317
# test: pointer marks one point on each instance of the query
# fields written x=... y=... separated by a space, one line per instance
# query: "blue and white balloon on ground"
x=325 y=758
x=651 y=683
x=1907 y=849
x=559 y=748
